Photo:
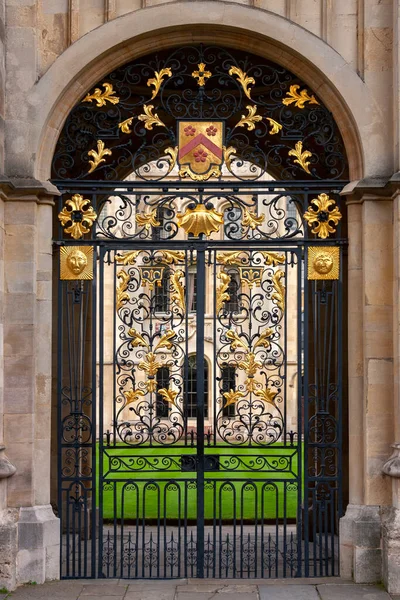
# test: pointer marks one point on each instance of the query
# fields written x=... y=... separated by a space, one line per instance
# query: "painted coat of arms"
x=200 y=153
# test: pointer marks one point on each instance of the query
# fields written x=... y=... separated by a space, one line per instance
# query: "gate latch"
x=190 y=462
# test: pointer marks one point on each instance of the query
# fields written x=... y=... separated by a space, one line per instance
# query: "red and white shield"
x=200 y=153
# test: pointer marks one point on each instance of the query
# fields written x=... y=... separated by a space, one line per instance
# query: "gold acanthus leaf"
x=266 y=394
x=127 y=258
x=122 y=294
x=242 y=79
x=98 y=156
x=228 y=156
x=165 y=340
x=278 y=297
x=301 y=156
x=275 y=126
x=148 y=220
x=178 y=295
x=236 y=341
x=232 y=397
x=79 y=226
x=299 y=98
x=273 y=259
x=149 y=118
x=168 y=395
x=173 y=153
x=150 y=365
x=250 y=219
x=250 y=119
x=263 y=340
x=158 y=79
x=124 y=126
x=236 y=257
x=172 y=257
x=222 y=295
x=137 y=339
x=133 y=396
x=250 y=365
x=102 y=97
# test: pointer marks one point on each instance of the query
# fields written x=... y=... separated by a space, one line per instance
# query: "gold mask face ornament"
x=76 y=262
x=323 y=262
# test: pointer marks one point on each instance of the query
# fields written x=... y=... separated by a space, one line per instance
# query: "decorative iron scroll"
x=202 y=107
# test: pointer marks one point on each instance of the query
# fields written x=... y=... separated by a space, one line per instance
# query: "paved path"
x=192 y=589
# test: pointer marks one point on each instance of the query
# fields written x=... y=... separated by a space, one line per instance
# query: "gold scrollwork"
x=124 y=126
x=98 y=156
x=250 y=119
x=250 y=219
x=251 y=275
x=222 y=295
x=299 y=98
x=149 y=118
x=151 y=276
x=127 y=258
x=273 y=259
x=133 y=396
x=229 y=156
x=200 y=220
x=173 y=154
x=178 y=295
x=158 y=80
x=301 y=157
x=81 y=216
x=235 y=257
x=168 y=395
x=266 y=394
x=201 y=75
x=186 y=171
x=148 y=220
x=151 y=363
x=319 y=216
x=263 y=340
x=275 y=126
x=171 y=257
x=76 y=263
x=122 y=295
x=243 y=79
x=278 y=297
x=100 y=97
x=323 y=262
x=236 y=341
x=232 y=397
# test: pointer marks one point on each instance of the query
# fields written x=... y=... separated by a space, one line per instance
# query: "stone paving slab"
x=109 y=590
x=288 y=592
x=146 y=594
x=352 y=592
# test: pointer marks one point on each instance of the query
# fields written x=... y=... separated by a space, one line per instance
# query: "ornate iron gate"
x=200 y=326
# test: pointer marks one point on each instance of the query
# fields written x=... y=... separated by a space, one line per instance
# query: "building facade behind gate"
x=54 y=54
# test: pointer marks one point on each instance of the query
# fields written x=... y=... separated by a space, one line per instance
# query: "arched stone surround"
x=366 y=133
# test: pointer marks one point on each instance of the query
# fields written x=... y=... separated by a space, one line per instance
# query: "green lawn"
x=257 y=486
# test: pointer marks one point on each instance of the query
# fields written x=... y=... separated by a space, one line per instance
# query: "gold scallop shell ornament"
x=200 y=219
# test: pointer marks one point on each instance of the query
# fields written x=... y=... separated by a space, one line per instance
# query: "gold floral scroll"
x=76 y=263
x=323 y=262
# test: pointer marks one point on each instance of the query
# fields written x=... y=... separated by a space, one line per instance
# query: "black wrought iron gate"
x=200 y=396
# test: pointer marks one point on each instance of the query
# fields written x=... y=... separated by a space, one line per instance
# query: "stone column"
x=28 y=218
x=371 y=378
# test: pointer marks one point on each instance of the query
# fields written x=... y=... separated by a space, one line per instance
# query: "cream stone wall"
x=51 y=53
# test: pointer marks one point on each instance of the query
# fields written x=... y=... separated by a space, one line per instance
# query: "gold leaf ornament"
x=80 y=214
x=127 y=258
x=137 y=340
x=201 y=75
x=237 y=342
x=102 y=97
x=273 y=259
x=121 y=294
x=250 y=219
x=158 y=80
x=243 y=79
x=200 y=220
x=222 y=295
x=278 y=297
x=124 y=126
x=232 y=397
x=301 y=156
x=148 y=220
x=98 y=156
x=275 y=126
x=149 y=118
x=267 y=395
x=168 y=395
x=133 y=395
x=173 y=155
x=165 y=340
x=229 y=156
x=298 y=98
x=264 y=339
x=179 y=292
x=249 y=364
x=321 y=218
x=250 y=119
